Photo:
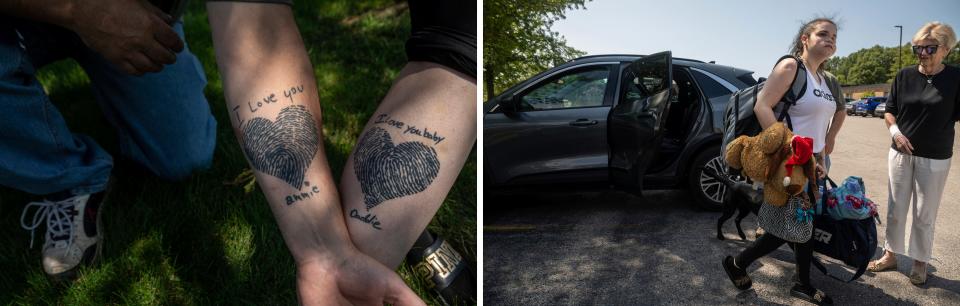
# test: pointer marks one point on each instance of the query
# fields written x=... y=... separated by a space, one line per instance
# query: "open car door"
x=636 y=122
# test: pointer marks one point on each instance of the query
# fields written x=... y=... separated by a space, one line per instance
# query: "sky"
x=745 y=34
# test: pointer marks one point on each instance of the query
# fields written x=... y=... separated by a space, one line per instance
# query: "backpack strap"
x=816 y=263
x=823 y=197
x=797 y=87
x=819 y=265
x=860 y=271
x=799 y=84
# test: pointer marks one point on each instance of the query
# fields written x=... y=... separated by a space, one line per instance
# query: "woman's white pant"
x=918 y=181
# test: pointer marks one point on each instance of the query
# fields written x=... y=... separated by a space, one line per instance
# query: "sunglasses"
x=931 y=49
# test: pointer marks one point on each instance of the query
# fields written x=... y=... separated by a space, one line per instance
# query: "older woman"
x=922 y=110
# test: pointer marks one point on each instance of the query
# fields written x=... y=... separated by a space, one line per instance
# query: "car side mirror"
x=510 y=104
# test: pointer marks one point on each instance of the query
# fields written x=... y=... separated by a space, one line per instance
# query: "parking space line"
x=509 y=228
x=556 y=227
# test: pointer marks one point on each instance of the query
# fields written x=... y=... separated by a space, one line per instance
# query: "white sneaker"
x=73 y=232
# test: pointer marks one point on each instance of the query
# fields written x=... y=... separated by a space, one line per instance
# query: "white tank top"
x=813 y=112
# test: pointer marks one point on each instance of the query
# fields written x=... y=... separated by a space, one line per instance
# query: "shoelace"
x=57 y=215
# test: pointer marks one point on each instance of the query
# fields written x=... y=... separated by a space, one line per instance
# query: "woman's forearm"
x=273 y=104
x=889 y=119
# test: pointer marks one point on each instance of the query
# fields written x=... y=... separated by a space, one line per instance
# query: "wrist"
x=311 y=241
x=894 y=130
x=306 y=237
x=315 y=251
x=57 y=12
x=64 y=14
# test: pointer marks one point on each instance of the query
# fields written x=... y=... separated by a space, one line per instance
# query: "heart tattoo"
x=282 y=148
x=387 y=172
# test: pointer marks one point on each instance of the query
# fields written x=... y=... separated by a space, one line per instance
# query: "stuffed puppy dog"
x=769 y=157
x=757 y=154
x=797 y=168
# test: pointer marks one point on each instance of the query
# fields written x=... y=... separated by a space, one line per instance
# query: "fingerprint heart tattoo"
x=282 y=148
x=387 y=172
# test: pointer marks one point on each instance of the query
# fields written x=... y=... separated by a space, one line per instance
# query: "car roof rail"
x=628 y=55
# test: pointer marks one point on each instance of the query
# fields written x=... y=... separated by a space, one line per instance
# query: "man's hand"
x=353 y=279
x=133 y=35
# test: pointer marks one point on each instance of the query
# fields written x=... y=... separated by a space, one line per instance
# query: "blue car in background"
x=868 y=106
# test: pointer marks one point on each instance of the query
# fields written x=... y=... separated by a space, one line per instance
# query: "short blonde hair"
x=941 y=32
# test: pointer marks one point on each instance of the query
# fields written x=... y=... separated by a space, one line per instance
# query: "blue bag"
x=848 y=201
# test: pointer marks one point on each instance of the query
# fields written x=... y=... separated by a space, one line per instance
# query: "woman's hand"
x=903 y=144
x=821 y=167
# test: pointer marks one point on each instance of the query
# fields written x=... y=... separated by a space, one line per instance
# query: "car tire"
x=708 y=191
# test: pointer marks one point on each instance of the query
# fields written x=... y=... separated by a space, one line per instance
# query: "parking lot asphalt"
x=601 y=246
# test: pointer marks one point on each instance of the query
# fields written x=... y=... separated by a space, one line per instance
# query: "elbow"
x=758 y=107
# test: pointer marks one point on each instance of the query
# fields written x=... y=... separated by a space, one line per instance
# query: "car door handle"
x=583 y=122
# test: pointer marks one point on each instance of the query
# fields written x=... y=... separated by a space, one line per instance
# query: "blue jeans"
x=162 y=120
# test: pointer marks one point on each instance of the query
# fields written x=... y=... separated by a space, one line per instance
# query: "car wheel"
x=708 y=191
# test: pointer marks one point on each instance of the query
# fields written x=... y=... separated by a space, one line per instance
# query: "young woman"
x=817 y=114
x=922 y=112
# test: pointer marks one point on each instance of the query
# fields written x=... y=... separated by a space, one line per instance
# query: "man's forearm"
x=272 y=101
x=59 y=12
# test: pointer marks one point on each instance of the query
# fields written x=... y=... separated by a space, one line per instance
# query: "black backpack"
x=739 y=118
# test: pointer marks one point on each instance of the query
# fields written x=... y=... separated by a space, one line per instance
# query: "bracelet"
x=894 y=130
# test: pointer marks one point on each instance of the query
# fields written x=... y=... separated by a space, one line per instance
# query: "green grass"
x=203 y=241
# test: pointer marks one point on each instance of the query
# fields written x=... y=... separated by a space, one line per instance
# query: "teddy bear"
x=769 y=160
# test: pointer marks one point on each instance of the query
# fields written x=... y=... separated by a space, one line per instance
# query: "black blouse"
x=927 y=112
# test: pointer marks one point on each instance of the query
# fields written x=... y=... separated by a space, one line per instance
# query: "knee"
x=181 y=159
x=180 y=167
x=924 y=222
x=894 y=219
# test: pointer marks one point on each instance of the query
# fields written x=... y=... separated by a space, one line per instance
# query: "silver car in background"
x=881 y=109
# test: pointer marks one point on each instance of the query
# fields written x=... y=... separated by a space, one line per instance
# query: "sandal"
x=737 y=275
x=435 y=262
x=881 y=265
x=810 y=294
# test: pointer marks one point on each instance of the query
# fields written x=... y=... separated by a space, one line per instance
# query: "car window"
x=710 y=87
x=580 y=88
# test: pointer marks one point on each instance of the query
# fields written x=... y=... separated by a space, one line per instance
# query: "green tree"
x=878 y=64
x=518 y=41
x=870 y=66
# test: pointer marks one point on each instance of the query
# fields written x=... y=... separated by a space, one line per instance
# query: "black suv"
x=638 y=122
